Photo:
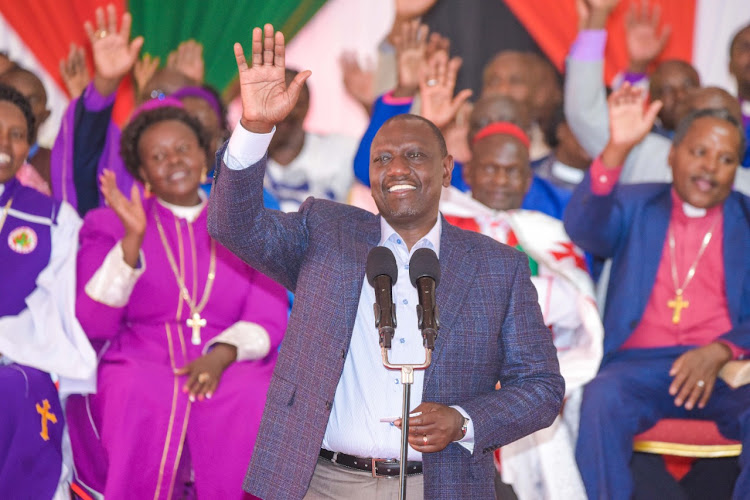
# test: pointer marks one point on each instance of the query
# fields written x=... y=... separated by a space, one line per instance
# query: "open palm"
x=266 y=99
x=436 y=89
x=129 y=211
x=628 y=121
x=114 y=53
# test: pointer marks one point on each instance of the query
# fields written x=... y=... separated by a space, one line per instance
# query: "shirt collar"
x=567 y=173
x=430 y=240
x=685 y=209
x=189 y=213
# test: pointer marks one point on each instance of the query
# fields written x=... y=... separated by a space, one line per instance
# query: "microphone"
x=424 y=272
x=382 y=273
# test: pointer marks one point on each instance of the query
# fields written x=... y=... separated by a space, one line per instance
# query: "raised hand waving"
x=114 y=52
x=266 y=100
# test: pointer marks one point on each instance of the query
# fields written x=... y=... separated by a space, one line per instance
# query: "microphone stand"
x=407 y=379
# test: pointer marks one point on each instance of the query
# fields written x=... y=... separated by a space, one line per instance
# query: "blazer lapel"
x=657 y=216
x=457 y=272
x=736 y=248
x=356 y=240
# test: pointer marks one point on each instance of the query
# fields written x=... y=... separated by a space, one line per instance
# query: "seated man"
x=542 y=464
x=40 y=337
x=677 y=302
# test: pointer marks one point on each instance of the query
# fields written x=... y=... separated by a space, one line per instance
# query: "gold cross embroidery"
x=47 y=415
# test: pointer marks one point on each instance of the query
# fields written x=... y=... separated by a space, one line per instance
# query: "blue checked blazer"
x=491 y=329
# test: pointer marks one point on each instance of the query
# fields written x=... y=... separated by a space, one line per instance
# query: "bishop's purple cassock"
x=131 y=438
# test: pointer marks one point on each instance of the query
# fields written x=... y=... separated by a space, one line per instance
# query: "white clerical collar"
x=691 y=211
x=432 y=237
x=567 y=173
x=188 y=213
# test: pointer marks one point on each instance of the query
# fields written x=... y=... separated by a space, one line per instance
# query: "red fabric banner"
x=48 y=27
x=554 y=26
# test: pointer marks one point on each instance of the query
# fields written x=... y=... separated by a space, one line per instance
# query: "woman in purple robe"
x=187 y=333
x=44 y=354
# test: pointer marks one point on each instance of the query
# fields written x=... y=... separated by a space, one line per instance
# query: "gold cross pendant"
x=678 y=305
x=196 y=323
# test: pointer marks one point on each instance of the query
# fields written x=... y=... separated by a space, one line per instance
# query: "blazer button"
x=633 y=324
x=329 y=405
x=343 y=353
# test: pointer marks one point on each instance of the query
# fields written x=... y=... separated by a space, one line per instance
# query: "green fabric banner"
x=217 y=25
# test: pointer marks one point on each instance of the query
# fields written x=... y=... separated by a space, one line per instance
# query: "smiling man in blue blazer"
x=678 y=300
x=321 y=434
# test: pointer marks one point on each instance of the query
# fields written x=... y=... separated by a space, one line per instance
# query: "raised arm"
x=594 y=217
x=269 y=241
x=585 y=91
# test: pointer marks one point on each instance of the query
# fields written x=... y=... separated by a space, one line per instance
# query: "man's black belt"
x=377 y=466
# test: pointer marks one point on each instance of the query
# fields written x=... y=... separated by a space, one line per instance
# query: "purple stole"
x=61 y=161
x=25 y=244
x=31 y=419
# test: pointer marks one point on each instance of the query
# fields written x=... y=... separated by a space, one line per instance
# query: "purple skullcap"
x=201 y=93
x=157 y=103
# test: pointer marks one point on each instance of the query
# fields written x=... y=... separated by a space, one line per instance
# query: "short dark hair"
x=11 y=95
x=435 y=130
x=131 y=136
x=720 y=114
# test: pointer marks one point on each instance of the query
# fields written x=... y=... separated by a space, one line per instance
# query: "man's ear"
x=447 y=170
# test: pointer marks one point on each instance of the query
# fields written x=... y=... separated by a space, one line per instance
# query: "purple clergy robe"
x=141 y=422
x=30 y=458
x=105 y=150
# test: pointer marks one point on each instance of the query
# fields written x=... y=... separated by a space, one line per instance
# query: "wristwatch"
x=465 y=427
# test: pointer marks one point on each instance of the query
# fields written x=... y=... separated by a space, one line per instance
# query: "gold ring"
x=424 y=438
x=203 y=377
x=101 y=33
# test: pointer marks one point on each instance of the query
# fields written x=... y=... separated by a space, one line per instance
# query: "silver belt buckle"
x=373 y=460
x=374 y=474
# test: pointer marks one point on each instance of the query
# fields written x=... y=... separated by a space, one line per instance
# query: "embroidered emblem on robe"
x=22 y=240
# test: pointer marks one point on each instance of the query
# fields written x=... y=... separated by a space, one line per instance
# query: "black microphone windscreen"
x=423 y=263
x=381 y=261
